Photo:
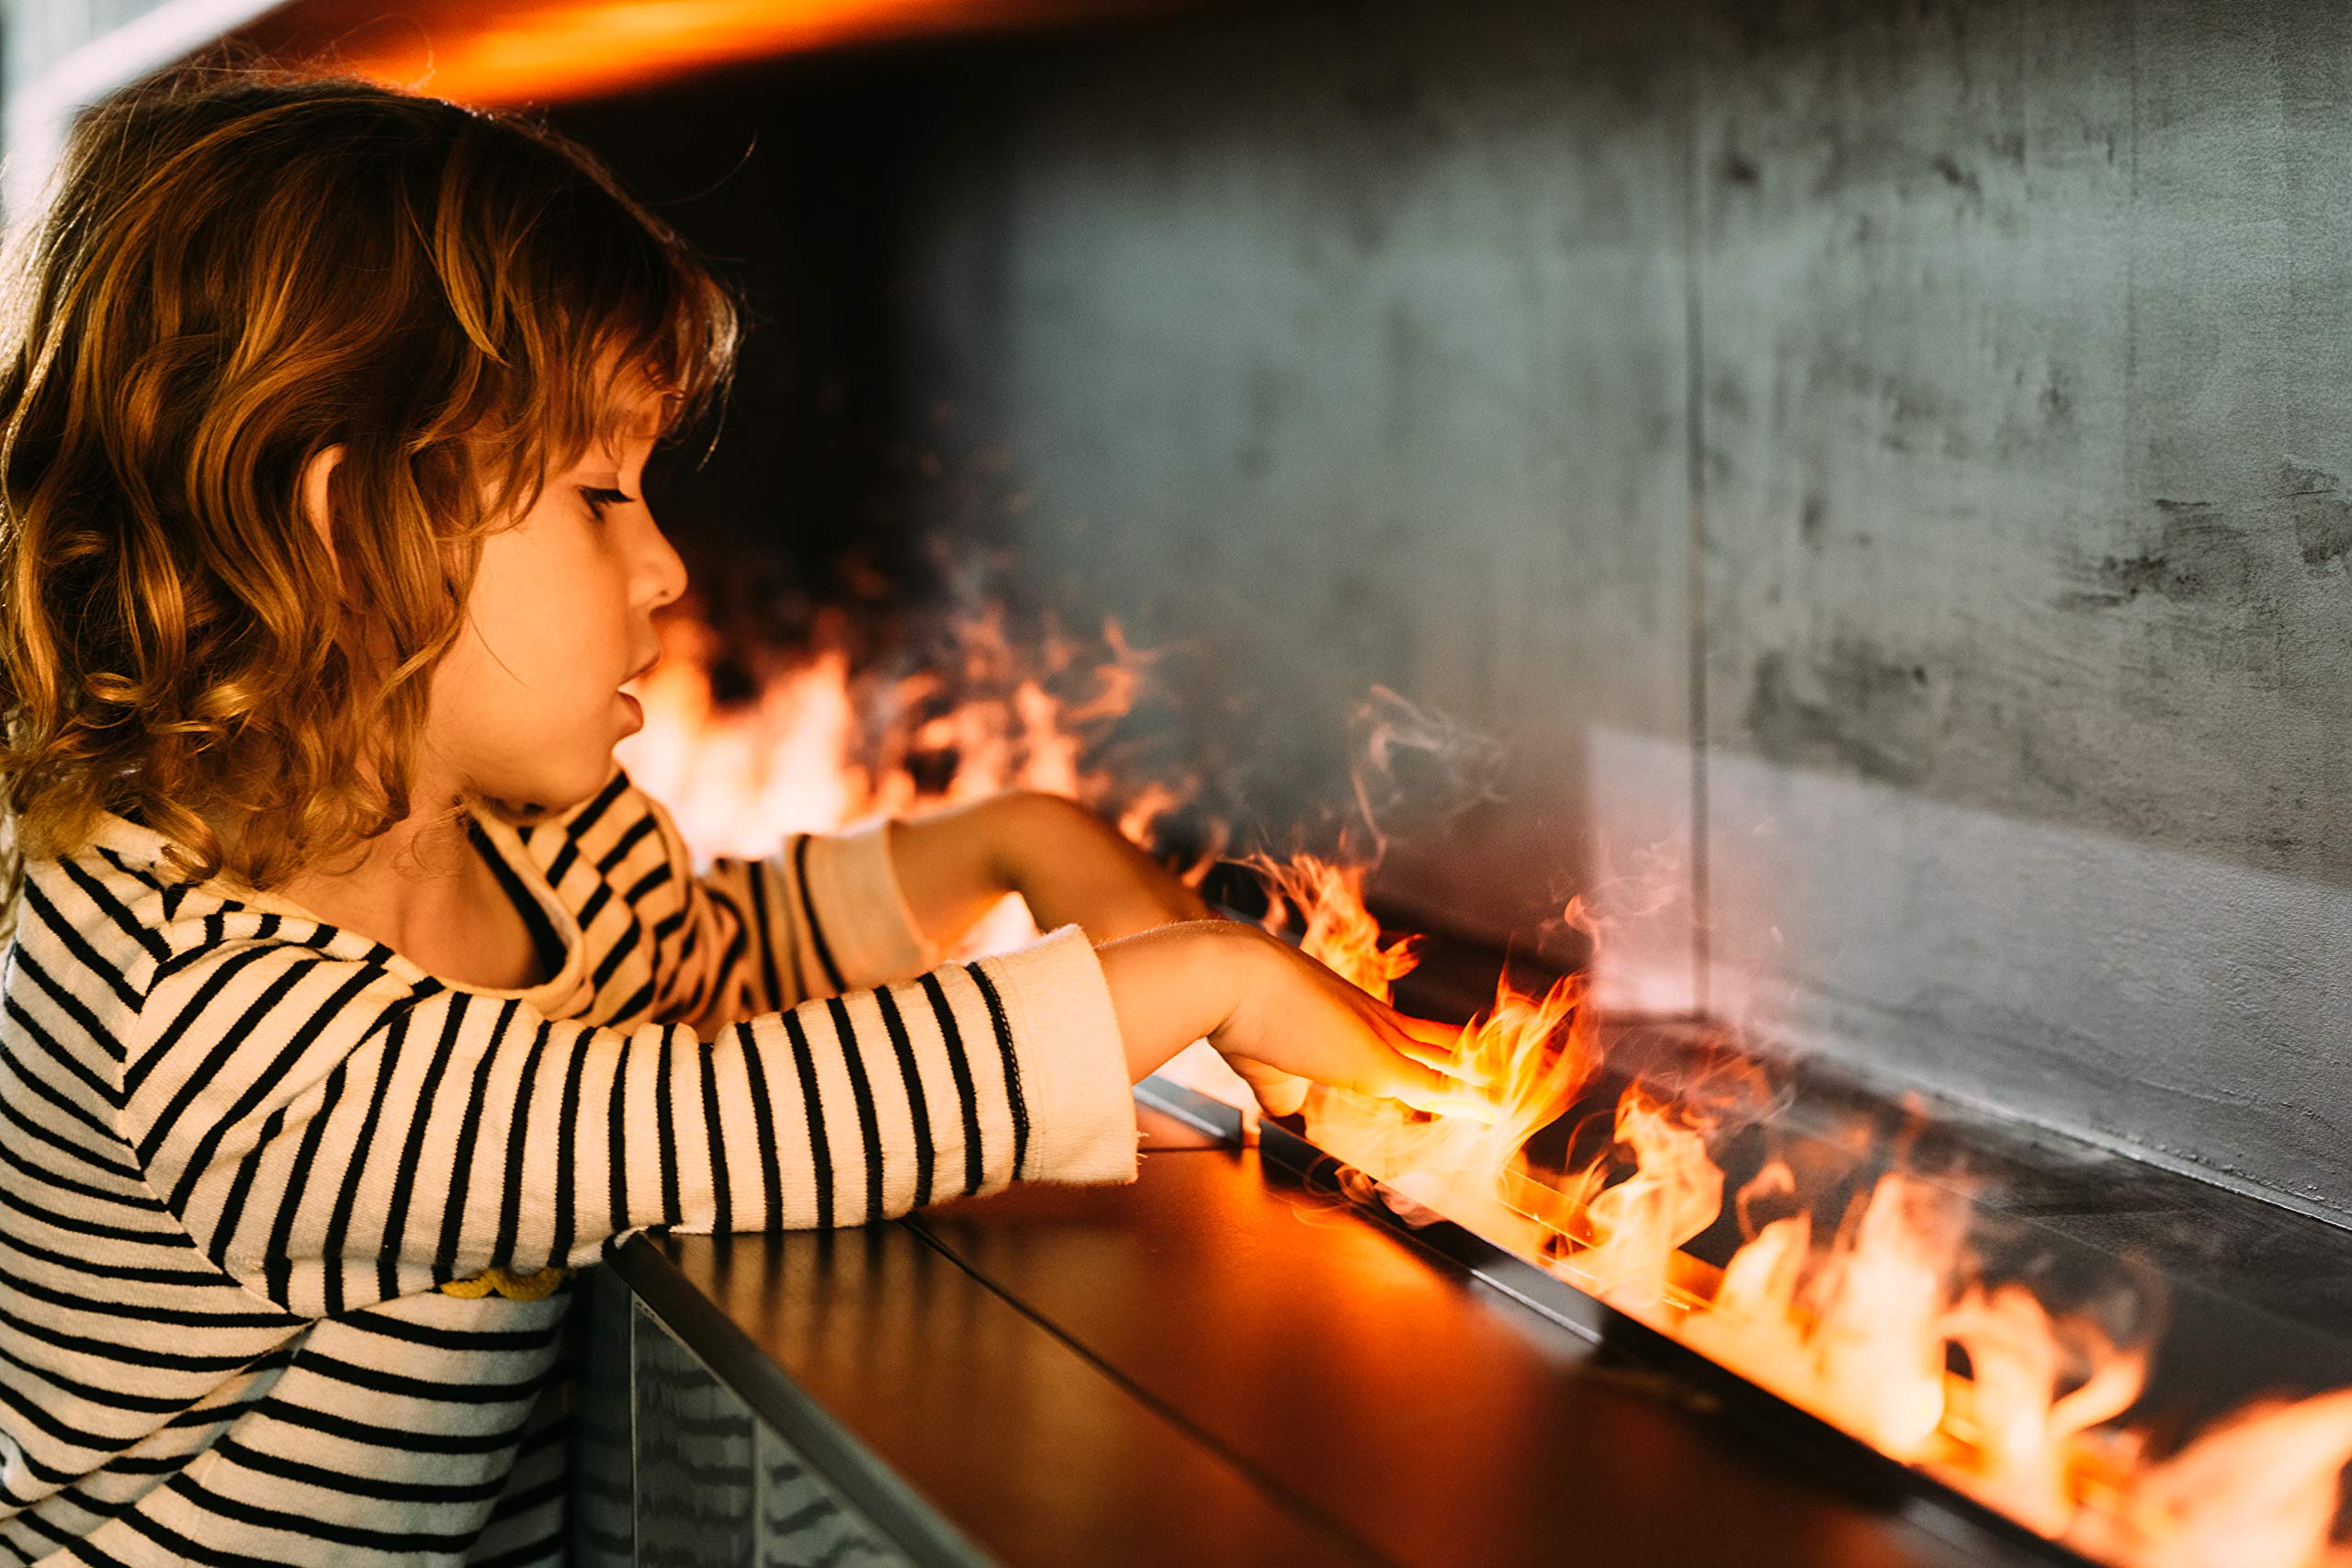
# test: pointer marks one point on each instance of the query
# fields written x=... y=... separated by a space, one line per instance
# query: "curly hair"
x=234 y=271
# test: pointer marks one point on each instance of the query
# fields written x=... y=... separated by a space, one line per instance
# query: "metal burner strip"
x=1195 y=1109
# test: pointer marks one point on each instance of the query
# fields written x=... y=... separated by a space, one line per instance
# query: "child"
x=356 y=995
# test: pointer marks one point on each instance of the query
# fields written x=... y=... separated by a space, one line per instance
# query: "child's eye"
x=598 y=500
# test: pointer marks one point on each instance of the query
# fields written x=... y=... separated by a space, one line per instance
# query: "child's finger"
x=1439 y=1061
x=1436 y=1047
x=1279 y=1093
x=1442 y=1038
x=1425 y=1088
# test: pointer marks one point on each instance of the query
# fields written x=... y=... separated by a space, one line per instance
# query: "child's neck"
x=422 y=890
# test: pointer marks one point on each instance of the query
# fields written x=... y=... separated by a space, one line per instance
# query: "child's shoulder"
x=126 y=917
x=102 y=932
x=107 y=924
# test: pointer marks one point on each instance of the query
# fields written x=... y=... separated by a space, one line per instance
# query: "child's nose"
x=662 y=568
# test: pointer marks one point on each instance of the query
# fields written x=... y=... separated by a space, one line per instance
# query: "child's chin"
x=549 y=793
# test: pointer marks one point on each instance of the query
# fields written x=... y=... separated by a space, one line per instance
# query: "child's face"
x=528 y=706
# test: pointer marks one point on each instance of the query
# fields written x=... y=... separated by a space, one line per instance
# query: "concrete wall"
x=2027 y=616
x=1358 y=354
x=1881 y=467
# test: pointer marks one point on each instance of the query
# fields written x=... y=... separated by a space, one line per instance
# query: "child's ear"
x=315 y=474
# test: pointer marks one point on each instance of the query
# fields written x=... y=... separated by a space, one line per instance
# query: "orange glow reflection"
x=504 y=55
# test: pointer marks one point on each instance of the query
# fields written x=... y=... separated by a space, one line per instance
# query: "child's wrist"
x=1072 y=867
x=1176 y=985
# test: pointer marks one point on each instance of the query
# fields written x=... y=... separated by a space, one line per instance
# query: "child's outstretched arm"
x=1069 y=866
x=335 y=1128
x=1262 y=1002
x=1283 y=1019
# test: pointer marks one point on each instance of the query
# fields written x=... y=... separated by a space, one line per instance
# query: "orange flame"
x=1861 y=1330
x=1339 y=930
x=822 y=744
x=1632 y=1232
x=2261 y=1487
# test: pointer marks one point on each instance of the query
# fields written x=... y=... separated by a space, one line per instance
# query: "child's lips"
x=635 y=712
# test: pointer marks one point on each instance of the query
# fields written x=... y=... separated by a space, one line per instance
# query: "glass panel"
x=693 y=1456
x=601 y=1498
x=804 y=1522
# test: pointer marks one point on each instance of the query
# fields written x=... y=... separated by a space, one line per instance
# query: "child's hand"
x=1303 y=1024
x=1279 y=1016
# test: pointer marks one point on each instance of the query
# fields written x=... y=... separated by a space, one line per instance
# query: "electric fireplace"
x=1800 y=549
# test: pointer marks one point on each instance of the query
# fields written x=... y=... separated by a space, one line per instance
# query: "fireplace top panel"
x=1218 y=1332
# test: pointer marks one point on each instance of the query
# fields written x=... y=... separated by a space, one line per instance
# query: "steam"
x=1410 y=764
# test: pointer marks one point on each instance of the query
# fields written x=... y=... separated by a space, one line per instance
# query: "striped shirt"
x=280 y=1211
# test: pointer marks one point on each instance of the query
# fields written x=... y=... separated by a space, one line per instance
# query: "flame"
x=2262 y=1486
x=823 y=744
x=1633 y=1231
x=1339 y=930
x=2023 y=1429
x=1862 y=1326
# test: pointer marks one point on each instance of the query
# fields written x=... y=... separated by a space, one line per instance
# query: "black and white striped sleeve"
x=336 y=1135
x=821 y=916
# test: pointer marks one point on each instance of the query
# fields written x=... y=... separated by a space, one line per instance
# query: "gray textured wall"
x=1358 y=354
x=2027 y=613
x=1881 y=466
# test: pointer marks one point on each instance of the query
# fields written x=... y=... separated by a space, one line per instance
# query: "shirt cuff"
x=853 y=888
x=1073 y=1064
